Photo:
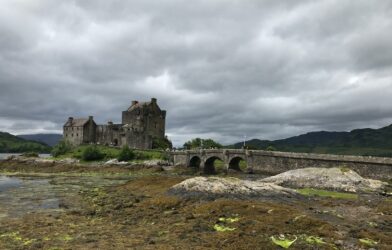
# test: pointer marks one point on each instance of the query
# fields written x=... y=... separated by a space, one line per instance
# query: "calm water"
x=7 y=183
x=21 y=195
x=5 y=155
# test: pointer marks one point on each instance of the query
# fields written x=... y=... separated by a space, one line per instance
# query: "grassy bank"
x=107 y=153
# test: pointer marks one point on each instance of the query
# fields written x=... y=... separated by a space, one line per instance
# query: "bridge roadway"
x=273 y=162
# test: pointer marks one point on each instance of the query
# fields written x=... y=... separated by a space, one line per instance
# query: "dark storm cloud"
x=222 y=69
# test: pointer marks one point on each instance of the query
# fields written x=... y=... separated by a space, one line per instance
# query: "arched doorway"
x=213 y=165
x=115 y=142
x=238 y=164
x=195 y=162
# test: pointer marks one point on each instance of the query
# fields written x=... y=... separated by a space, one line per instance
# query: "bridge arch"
x=209 y=166
x=195 y=162
x=235 y=163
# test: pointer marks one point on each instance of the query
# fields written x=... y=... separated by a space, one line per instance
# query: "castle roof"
x=138 y=105
x=76 y=122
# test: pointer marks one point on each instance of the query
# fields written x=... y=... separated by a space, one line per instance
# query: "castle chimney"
x=90 y=118
x=154 y=100
x=110 y=123
x=70 y=119
x=134 y=102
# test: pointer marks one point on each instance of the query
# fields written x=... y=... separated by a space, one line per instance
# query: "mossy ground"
x=141 y=215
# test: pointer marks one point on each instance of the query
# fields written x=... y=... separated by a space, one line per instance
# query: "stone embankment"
x=280 y=186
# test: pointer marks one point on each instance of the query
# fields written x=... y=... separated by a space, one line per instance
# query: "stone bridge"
x=271 y=162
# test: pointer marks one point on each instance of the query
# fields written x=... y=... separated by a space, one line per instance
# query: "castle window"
x=156 y=125
x=77 y=134
x=72 y=135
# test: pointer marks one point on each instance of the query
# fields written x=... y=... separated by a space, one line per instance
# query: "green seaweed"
x=282 y=241
x=15 y=236
x=327 y=193
x=221 y=228
x=229 y=219
x=368 y=242
x=314 y=240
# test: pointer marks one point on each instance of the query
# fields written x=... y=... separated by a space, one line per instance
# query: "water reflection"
x=24 y=195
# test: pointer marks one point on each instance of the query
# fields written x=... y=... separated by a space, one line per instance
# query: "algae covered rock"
x=214 y=187
x=339 y=179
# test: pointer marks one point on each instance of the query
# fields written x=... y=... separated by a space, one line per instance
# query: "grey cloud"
x=267 y=69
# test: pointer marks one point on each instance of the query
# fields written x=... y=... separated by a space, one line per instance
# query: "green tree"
x=92 y=153
x=205 y=143
x=61 y=148
x=165 y=143
x=126 y=154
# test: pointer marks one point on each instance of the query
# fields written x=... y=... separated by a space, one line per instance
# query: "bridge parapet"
x=274 y=162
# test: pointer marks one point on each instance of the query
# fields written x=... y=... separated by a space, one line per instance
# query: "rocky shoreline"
x=150 y=206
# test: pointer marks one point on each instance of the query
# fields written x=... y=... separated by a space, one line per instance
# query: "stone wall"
x=108 y=134
x=278 y=162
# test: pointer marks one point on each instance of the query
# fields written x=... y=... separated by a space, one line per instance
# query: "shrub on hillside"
x=61 y=148
x=125 y=154
x=270 y=148
x=92 y=153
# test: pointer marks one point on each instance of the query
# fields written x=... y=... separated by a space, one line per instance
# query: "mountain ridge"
x=366 y=141
x=13 y=144
x=50 y=139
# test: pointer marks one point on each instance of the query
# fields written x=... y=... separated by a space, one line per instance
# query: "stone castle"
x=141 y=123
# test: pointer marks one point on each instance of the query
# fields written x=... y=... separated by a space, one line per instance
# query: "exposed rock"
x=156 y=163
x=43 y=160
x=339 y=179
x=68 y=161
x=111 y=161
x=213 y=187
x=115 y=162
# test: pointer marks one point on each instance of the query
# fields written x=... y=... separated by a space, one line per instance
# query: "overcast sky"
x=222 y=69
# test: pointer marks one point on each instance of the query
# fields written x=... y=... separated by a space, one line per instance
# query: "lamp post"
x=244 y=141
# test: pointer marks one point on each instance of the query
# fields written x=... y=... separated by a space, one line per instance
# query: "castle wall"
x=74 y=135
x=137 y=140
x=89 y=132
x=108 y=134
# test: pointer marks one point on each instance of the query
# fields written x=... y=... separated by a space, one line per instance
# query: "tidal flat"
x=112 y=207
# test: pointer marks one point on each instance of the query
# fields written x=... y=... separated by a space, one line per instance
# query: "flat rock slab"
x=215 y=187
x=339 y=179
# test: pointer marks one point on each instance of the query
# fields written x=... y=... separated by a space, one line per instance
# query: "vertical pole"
x=244 y=141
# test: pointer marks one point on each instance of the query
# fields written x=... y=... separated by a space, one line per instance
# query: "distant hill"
x=13 y=144
x=372 y=142
x=49 y=139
